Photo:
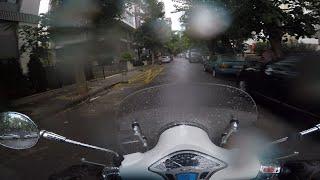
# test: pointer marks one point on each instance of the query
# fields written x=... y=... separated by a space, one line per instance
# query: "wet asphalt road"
x=95 y=122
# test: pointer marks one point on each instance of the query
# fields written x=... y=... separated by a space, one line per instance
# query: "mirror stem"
x=298 y=135
x=56 y=137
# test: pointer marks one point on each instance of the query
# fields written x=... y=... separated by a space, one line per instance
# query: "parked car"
x=165 y=59
x=224 y=65
x=209 y=64
x=195 y=57
x=293 y=82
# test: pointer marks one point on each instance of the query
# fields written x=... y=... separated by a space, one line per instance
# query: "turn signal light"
x=224 y=66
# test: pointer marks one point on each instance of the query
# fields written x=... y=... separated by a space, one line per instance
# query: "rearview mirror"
x=17 y=131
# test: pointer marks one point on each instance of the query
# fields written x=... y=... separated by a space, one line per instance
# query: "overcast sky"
x=44 y=5
x=169 y=8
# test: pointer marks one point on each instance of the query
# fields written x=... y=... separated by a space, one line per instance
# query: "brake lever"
x=83 y=160
x=295 y=153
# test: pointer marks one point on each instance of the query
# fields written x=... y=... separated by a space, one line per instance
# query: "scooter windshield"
x=208 y=106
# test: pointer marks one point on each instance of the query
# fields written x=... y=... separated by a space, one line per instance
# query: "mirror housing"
x=17 y=131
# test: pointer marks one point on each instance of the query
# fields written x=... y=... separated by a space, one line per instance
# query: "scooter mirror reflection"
x=17 y=131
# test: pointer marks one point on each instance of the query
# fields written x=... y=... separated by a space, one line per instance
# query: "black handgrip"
x=117 y=160
x=300 y=170
x=294 y=137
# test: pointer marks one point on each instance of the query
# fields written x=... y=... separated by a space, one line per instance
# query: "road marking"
x=131 y=142
x=92 y=99
x=113 y=76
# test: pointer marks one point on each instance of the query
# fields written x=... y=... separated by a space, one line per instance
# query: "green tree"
x=271 y=18
x=36 y=39
x=174 y=45
x=154 y=32
x=297 y=18
x=179 y=42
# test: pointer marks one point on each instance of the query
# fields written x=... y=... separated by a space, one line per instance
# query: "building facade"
x=113 y=40
x=14 y=13
x=130 y=22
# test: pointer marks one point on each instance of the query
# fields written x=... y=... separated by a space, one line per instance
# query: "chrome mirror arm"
x=298 y=135
x=55 y=137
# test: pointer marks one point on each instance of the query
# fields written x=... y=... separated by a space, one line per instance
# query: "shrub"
x=13 y=83
x=37 y=73
x=127 y=56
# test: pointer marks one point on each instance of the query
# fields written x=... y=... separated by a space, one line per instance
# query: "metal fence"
x=105 y=71
x=62 y=75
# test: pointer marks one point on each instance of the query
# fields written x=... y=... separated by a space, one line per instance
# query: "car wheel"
x=243 y=85
x=214 y=73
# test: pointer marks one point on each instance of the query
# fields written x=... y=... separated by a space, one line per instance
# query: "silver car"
x=165 y=59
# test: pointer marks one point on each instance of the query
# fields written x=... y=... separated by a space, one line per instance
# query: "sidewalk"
x=39 y=106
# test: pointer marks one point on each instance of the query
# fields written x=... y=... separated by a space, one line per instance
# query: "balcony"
x=19 y=17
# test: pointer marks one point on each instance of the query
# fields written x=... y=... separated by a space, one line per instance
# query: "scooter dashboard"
x=187 y=165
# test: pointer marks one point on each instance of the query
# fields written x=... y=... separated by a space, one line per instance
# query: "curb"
x=75 y=102
x=39 y=116
x=88 y=95
x=50 y=93
x=84 y=97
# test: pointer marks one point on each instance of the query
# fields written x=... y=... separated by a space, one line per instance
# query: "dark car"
x=209 y=64
x=293 y=82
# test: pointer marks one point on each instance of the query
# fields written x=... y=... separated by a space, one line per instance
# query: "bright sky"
x=44 y=5
x=169 y=8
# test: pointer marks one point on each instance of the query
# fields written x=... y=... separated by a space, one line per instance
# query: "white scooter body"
x=185 y=137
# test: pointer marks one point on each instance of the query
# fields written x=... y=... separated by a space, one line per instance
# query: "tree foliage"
x=154 y=31
x=180 y=42
x=35 y=39
x=270 y=18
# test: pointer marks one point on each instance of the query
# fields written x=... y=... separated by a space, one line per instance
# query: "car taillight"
x=270 y=169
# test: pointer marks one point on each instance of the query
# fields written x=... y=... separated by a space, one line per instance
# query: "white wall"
x=30 y=7
x=309 y=40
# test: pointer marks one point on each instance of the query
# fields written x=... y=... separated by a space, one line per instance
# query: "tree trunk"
x=152 y=58
x=139 y=54
x=276 y=47
x=104 y=75
x=213 y=46
x=80 y=77
x=275 y=37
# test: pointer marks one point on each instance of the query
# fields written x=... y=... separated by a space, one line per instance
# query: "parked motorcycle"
x=185 y=132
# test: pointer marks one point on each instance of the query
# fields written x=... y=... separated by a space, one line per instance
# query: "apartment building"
x=14 y=13
x=113 y=41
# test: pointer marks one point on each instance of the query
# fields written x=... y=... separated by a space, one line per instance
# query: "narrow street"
x=94 y=122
